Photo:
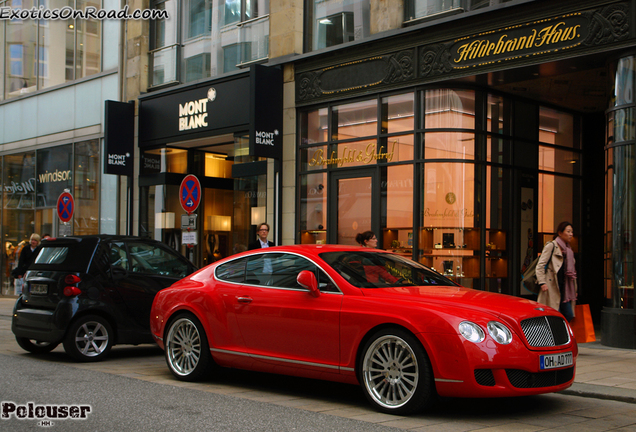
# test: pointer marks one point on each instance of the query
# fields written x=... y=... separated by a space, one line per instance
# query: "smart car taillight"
x=72 y=291
x=72 y=279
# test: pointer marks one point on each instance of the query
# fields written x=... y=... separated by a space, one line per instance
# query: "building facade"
x=461 y=132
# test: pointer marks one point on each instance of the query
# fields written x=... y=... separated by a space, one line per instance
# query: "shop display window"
x=449 y=145
x=86 y=188
x=313 y=126
x=355 y=120
x=556 y=127
x=448 y=108
x=398 y=113
x=313 y=209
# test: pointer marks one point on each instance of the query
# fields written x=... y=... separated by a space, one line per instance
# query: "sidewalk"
x=601 y=372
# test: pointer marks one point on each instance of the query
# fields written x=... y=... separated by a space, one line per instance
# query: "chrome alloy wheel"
x=91 y=339
x=390 y=372
x=183 y=346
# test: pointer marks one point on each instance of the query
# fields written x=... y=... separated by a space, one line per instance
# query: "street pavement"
x=601 y=373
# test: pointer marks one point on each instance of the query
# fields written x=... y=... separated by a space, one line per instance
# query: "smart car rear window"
x=65 y=255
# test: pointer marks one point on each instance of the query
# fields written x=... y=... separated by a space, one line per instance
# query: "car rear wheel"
x=35 y=346
x=396 y=373
x=187 y=350
x=89 y=339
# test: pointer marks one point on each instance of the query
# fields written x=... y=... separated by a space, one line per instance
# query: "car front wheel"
x=89 y=339
x=35 y=346
x=396 y=373
x=186 y=349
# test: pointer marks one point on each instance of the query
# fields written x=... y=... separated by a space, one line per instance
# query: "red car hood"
x=498 y=305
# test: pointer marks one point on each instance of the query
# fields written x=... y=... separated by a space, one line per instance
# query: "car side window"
x=152 y=259
x=233 y=271
x=118 y=255
x=281 y=270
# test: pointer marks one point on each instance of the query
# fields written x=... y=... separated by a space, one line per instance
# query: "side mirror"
x=118 y=272
x=307 y=280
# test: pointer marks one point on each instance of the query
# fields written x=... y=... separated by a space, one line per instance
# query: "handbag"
x=529 y=280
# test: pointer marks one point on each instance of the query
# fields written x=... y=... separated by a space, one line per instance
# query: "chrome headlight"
x=471 y=331
x=499 y=333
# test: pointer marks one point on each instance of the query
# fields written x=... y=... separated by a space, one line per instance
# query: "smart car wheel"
x=396 y=373
x=35 y=346
x=187 y=350
x=89 y=339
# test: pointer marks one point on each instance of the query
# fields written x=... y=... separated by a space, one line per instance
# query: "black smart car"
x=92 y=292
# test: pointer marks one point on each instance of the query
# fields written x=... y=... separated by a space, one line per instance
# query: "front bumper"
x=487 y=369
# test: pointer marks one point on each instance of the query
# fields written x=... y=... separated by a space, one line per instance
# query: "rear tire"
x=89 y=339
x=186 y=349
x=34 y=346
x=395 y=373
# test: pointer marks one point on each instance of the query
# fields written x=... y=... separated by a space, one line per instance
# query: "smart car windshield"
x=382 y=270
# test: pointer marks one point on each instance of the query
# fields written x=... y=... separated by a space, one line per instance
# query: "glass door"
x=354 y=206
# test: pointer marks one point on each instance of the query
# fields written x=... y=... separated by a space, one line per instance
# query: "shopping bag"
x=582 y=324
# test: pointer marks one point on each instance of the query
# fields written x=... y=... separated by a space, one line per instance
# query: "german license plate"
x=39 y=289
x=556 y=360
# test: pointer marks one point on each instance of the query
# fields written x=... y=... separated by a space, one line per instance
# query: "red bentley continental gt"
x=363 y=316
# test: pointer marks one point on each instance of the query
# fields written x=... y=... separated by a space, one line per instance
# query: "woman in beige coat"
x=557 y=278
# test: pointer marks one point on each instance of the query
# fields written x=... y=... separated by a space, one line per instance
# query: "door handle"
x=244 y=300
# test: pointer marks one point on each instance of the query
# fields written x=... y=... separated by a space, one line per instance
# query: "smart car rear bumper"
x=41 y=324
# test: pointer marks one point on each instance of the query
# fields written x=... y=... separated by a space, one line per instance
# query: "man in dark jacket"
x=262 y=242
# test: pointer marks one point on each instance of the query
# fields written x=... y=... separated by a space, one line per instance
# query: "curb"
x=607 y=393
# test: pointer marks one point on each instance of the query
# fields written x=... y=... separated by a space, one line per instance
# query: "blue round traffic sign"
x=190 y=193
x=65 y=206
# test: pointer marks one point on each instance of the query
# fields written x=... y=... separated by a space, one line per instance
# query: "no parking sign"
x=65 y=206
x=190 y=193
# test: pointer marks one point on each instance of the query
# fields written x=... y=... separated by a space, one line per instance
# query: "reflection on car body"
x=403 y=332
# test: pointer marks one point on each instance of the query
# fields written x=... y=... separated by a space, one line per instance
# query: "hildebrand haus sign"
x=523 y=40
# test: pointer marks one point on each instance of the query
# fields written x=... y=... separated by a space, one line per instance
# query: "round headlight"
x=471 y=331
x=499 y=333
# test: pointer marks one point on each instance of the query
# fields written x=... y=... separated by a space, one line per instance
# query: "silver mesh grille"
x=547 y=331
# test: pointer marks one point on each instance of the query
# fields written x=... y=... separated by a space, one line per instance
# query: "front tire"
x=396 y=373
x=89 y=339
x=186 y=349
x=34 y=346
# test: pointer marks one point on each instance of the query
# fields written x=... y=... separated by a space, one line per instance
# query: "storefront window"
x=449 y=145
x=313 y=126
x=313 y=209
x=355 y=120
x=164 y=160
x=398 y=190
x=556 y=127
x=86 y=216
x=398 y=113
x=446 y=108
x=18 y=199
x=449 y=238
x=555 y=202
x=558 y=160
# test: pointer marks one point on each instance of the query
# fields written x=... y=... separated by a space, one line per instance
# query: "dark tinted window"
x=233 y=271
x=152 y=258
x=65 y=255
x=381 y=270
x=281 y=270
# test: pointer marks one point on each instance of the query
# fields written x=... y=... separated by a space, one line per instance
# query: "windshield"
x=382 y=270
